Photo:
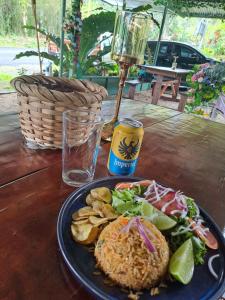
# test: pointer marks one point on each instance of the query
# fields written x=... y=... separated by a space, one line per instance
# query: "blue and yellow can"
x=125 y=147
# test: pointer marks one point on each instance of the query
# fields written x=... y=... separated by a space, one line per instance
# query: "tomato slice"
x=208 y=238
x=128 y=185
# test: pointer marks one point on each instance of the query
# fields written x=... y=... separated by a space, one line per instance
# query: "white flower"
x=200 y=79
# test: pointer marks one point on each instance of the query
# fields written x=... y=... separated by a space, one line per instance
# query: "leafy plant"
x=92 y=27
x=46 y=55
x=52 y=57
x=207 y=82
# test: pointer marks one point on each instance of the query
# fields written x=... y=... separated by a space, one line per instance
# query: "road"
x=7 y=56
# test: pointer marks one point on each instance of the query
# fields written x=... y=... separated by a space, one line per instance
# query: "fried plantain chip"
x=104 y=210
x=86 y=211
x=89 y=200
x=97 y=207
x=78 y=222
x=102 y=194
x=76 y=217
x=97 y=221
x=84 y=233
x=109 y=212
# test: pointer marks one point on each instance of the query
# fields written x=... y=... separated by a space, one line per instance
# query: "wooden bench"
x=183 y=101
x=165 y=85
x=132 y=87
x=183 y=95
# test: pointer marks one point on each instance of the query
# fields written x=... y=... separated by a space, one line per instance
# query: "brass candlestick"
x=129 y=41
x=109 y=127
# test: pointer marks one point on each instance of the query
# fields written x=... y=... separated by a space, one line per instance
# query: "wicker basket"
x=43 y=99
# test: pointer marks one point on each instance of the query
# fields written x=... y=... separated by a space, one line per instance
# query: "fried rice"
x=124 y=257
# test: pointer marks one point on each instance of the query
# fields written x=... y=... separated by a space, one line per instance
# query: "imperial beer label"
x=125 y=148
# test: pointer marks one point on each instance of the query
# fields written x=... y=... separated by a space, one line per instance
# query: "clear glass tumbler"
x=81 y=139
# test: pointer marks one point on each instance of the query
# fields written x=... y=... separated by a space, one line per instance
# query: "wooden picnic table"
x=179 y=150
x=161 y=73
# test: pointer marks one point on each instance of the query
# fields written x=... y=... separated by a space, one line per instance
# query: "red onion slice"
x=145 y=237
x=127 y=228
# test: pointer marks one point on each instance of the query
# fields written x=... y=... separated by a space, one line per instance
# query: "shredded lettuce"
x=199 y=250
x=123 y=201
x=192 y=210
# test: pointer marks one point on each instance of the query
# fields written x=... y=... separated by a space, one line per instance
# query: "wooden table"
x=179 y=150
x=162 y=73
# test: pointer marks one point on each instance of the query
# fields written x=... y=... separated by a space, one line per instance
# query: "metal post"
x=63 y=12
x=124 y=5
x=160 y=35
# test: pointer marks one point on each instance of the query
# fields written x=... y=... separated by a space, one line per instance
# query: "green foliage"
x=16 y=41
x=49 y=36
x=192 y=209
x=206 y=82
x=68 y=53
x=177 y=5
x=145 y=8
x=91 y=62
x=12 y=16
x=43 y=54
x=141 y=8
x=215 y=40
x=199 y=250
x=176 y=241
x=133 y=71
x=16 y=13
x=5 y=77
x=22 y=71
x=93 y=27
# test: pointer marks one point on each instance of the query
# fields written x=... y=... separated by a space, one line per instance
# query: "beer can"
x=125 y=147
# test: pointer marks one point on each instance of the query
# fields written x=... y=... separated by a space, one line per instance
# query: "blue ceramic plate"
x=81 y=262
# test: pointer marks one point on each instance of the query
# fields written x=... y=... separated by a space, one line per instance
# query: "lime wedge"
x=181 y=265
x=147 y=209
x=158 y=218
x=163 y=222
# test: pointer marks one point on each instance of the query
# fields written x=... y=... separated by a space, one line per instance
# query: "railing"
x=109 y=82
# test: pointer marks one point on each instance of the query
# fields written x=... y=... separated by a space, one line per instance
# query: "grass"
x=20 y=41
x=5 y=77
x=7 y=74
x=5 y=81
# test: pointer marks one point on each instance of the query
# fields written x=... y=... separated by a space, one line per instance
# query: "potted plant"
x=207 y=83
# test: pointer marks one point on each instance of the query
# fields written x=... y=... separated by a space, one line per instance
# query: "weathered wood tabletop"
x=179 y=150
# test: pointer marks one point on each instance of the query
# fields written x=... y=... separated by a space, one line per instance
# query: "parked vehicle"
x=187 y=55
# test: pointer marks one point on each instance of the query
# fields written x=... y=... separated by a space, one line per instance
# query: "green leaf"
x=141 y=8
x=92 y=28
x=50 y=36
x=192 y=209
x=46 y=55
x=199 y=250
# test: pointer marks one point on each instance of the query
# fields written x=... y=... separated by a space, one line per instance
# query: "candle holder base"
x=107 y=131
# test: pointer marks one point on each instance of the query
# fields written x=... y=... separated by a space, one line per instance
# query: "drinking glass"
x=131 y=33
x=81 y=139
